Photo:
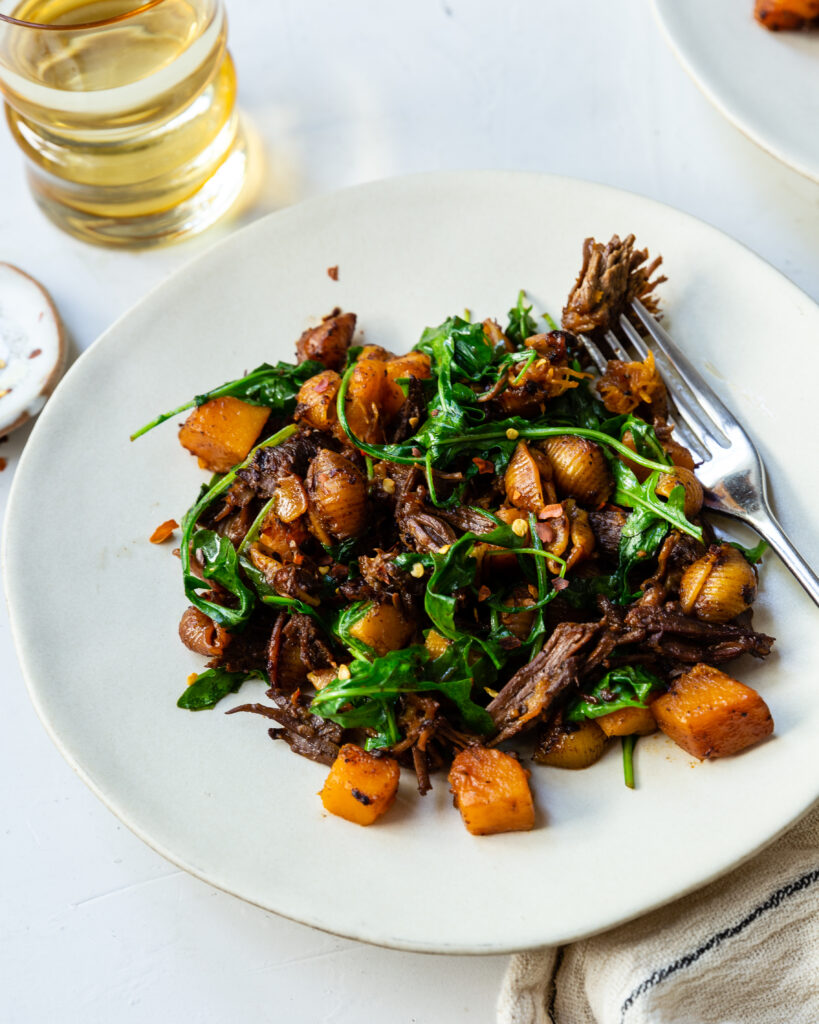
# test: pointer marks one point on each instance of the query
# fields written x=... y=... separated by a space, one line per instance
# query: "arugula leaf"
x=345 y=620
x=629 y=743
x=367 y=698
x=344 y=551
x=640 y=540
x=220 y=565
x=211 y=686
x=273 y=386
x=753 y=554
x=624 y=687
x=456 y=671
x=217 y=487
x=522 y=324
x=633 y=494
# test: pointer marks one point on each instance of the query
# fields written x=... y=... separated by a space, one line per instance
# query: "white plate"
x=95 y=607
x=766 y=83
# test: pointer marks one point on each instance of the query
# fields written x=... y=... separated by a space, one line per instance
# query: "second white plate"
x=766 y=83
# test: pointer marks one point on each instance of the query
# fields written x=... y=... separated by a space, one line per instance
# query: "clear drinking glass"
x=126 y=114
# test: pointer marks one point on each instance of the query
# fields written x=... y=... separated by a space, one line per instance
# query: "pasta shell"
x=522 y=480
x=337 y=493
x=719 y=586
x=693 y=488
x=580 y=469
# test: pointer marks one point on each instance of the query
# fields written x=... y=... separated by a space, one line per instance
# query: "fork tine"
x=601 y=362
x=723 y=420
x=693 y=428
x=597 y=356
x=616 y=347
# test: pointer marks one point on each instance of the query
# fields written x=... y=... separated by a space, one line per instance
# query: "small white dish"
x=766 y=83
x=32 y=347
x=94 y=606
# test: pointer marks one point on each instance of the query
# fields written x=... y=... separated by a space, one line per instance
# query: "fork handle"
x=769 y=529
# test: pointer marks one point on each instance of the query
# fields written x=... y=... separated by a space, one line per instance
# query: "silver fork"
x=731 y=473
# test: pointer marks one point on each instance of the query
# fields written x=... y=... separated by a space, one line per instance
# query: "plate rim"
x=359 y=933
x=732 y=115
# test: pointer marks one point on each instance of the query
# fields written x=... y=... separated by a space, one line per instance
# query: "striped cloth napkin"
x=743 y=950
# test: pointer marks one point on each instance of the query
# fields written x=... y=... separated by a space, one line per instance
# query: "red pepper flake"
x=416 y=453
x=333 y=272
x=321 y=385
x=35 y=353
x=551 y=512
x=3 y=464
x=484 y=465
x=483 y=593
x=559 y=583
x=545 y=532
x=163 y=531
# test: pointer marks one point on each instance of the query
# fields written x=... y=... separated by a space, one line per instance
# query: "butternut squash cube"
x=491 y=791
x=222 y=431
x=413 y=364
x=384 y=628
x=709 y=714
x=575 y=745
x=360 y=786
x=628 y=722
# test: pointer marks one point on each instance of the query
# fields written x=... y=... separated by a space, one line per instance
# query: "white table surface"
x=94 y=926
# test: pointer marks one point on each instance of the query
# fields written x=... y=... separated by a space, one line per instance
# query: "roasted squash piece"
x=413 y=364
x=491 y=791
x=362 y=402
x=709 y=714
x=574 y=745
x=222 y=431
x=628 y=722
x=316 y=400
x=360 y=786
x=384 y=628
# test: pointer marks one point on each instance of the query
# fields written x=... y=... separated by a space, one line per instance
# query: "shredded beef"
x=611 y=276
x=303 y=732
x=532 y=690
x=314 y=650
x=467 y=519
x=421 y=530
x=666 y=630
x=269 y=465
x=297 y=582
x=412 y=413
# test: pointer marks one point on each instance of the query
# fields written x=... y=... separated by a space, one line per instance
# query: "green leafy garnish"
x=522 y=324
x=222 y=567
x=367 y=698
x=273 y=386
x=629 y=743
x=625 y=687
x=346 y=618
x=211 y=686
x=754 y=554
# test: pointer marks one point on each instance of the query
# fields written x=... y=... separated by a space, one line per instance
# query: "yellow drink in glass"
x=127 y=116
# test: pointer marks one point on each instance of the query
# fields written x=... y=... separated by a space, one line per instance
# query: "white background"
x=94 y=926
